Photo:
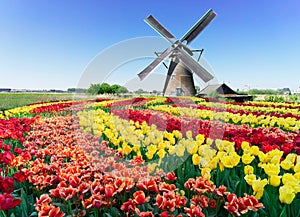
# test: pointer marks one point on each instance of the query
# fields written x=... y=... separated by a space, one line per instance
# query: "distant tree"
x=115 y=88
x=105 y=88
x=122 y=89
x=76 y=90
x=94 y=89
x=139 y=91
x=71 y=90
x=262 y=91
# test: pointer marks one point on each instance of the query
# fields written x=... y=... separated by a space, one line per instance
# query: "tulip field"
x=153 y=156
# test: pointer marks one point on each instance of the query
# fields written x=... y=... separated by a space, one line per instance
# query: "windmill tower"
x=179 y=80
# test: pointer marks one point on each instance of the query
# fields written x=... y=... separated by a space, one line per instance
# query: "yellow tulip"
x=258 y=187
x=254 y=150
x=177 y=134
x=192 y=147
x=247 y=158
x=115 y=141
x=221 y=154
x=297 y=176
x=274 y=156
x=162 y=145
x=231 y=160
x=229 y=146
x=196 y=159
x=213 y=163
x=189 y=134
x=179 y=150
x=221 y=166
x=275 y=180
x=171 y=150
x=136 y=148
x=220 y=144
x=289 y=180
x=209 y=141
x=286 y=194
x=297 y=168
x=262 y=157
x=245 y=146
x=182 y=192
x=126 y=149
x=152 y=148
x=204 y=162
x=248 y=170
x=205 y=173
x=275 y=159
x=200 y=139
x=161 y=153
x=291 y=157
x=286 y=164
x=149 y=155
x=271 y=169
x=250 y=178
x=172 y=141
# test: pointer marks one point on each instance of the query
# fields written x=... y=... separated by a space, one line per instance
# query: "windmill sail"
x=199 y=26
x=194 y=66
x=159 y=28
x=155 y=63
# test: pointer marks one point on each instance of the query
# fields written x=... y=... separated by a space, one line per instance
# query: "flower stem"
x=70 y=207
x=2 y=213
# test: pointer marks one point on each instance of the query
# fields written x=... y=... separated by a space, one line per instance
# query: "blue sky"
x=48 y=44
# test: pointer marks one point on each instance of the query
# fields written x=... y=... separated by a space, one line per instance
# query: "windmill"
x=179 y=78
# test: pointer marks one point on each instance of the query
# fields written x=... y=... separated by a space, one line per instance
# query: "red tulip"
x=20 y=176
x=171 y=176
x=213 y=204
x=140 y=198
x=8 y=202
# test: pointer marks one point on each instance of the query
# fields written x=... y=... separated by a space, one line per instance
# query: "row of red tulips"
x=12 y=134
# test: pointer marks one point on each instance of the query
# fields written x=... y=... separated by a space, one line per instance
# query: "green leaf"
x=115 y=211
x=34 y=214
x=295 y=207
x=283 y=213
x=24 y=203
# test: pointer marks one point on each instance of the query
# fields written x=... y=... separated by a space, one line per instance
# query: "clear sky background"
x=48 y=44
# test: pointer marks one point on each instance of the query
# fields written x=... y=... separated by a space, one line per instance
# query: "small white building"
x=296 y=91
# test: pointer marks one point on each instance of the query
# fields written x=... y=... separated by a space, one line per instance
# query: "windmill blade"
x=171 y=68
x=194 y=66
x=199 y=26
x=159 y=28
x=155 y=63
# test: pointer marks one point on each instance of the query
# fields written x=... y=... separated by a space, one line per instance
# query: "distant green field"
x=12 y=100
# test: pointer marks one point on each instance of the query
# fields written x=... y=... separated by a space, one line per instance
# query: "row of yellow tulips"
x=290 y=124
x=26 y=109
x=267 y=109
